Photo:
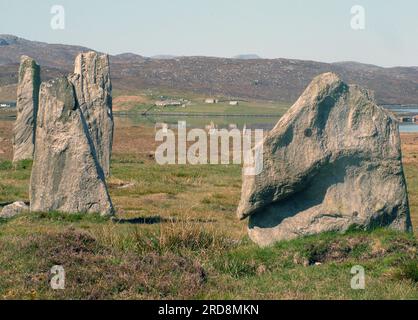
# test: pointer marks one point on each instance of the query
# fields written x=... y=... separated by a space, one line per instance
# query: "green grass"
x=197 y=105
x=201 y=121
x=199 y=114
x=245 y=108
x=177 y=237
x=411 y=173
x=14 y=180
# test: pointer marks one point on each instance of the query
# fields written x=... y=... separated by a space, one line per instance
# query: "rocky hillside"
x=267 y=79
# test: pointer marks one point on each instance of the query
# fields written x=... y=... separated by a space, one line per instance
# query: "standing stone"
x=332 y=162
x=27 y=108
x=93 y=88
x=66 y=175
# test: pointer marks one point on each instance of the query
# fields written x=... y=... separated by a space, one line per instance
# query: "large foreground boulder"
x=332 y=162
x=27 y=108
x=66 y=174
x=93 y=88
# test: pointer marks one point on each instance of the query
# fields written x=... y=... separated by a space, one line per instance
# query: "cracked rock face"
x=66 y=174
x=332 y=162
x=93 y=87
x=27 y=108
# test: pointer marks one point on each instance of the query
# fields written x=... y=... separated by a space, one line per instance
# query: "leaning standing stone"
x=27 y=108
x=332 y=162
x=66 y=175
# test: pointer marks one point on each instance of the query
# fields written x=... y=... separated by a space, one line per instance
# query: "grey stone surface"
x=13 y=210
x=27 y=107
x=93 y=88
x=333 y=161
x=66 y=175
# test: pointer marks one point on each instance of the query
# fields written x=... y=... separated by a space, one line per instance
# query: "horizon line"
x=171 y=56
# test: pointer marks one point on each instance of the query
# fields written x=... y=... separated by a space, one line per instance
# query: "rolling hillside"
x=264 y=79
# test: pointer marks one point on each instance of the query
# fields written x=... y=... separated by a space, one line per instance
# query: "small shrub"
x=3 y=220
x=337 y=250
x=408 y=270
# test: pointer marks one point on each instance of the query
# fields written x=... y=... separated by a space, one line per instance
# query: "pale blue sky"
x=301 y=29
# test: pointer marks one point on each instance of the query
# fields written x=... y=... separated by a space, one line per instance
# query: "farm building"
x=405 y=119
x=211 y=101
x=168 y=103
x=7 y=105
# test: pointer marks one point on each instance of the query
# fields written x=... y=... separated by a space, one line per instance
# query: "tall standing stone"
x=93 y=88
x=27 y=108
x=332 y=162
x=66 y=174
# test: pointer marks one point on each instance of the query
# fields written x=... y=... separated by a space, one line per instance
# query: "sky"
x=319 y=30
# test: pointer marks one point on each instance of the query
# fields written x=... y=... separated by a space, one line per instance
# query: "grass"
x=14 y=180
x=245 y=108
x=176 y=237
x=109 y=260
x=127 y=103
x=411 y=172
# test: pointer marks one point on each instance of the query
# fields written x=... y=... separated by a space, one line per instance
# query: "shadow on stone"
x=311 y=196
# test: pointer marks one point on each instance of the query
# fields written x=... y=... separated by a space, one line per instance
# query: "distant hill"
x=163 y=57
x=247 y=57
x=52 y=55
x=127 y=58
x=266 y=79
